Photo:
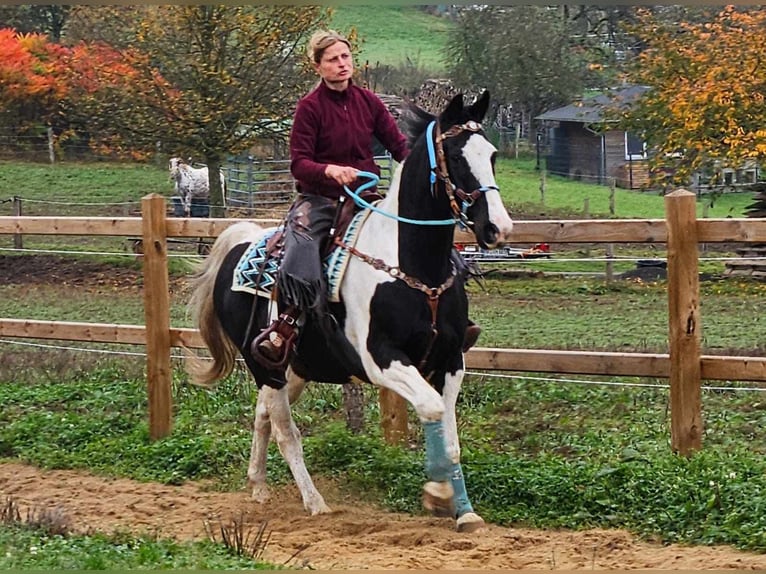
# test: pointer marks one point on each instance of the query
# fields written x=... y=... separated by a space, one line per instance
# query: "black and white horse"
x=403 y=307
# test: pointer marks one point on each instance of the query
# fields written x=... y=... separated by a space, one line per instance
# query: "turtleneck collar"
x=335 y=94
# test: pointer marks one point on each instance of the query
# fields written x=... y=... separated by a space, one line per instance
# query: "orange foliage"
x=29 y=67
x=706 y=106
x=55 y=85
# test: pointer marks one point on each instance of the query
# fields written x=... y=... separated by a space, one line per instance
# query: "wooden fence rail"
x=684 y=365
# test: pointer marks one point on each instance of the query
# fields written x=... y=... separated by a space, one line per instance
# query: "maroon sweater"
x=331 y=127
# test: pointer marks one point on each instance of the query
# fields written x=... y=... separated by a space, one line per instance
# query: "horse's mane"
x=414 y=122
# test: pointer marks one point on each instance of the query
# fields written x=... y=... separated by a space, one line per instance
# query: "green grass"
x=395 y=35
x=23 y=548
x=587 y=314
x=534 y=454
x=104 y=189
x=108 y=305
x=75 y=189
x=520 y=182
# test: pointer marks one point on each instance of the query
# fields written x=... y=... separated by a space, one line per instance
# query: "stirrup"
x=270 y=355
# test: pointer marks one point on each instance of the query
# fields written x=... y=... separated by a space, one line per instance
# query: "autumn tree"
x=30 y=80
x=705 y=106
x=209 y=81
x=41 y=81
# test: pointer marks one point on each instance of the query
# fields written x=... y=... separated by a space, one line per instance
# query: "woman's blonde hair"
x=321 y=40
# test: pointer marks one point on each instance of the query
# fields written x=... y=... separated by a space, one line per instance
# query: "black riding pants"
x=301 y=279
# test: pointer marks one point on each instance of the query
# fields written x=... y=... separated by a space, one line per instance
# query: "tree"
x=525 y=55
x=706 y=103
x=209 y=80
x=30 y=80
x=40 y=81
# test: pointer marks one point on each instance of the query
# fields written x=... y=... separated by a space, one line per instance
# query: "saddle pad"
x=336 y=262
x=248 y=269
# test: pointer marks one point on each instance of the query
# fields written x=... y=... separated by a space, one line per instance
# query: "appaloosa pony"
x=192 y=184
x=400 y=310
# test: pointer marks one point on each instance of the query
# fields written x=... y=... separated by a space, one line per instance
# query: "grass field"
x=541 y=451
x=395 y=35
x=117 y=189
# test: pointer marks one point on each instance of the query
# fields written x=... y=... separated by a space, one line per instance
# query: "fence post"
x=157 y=315
x=685 y=329
x=18 y=242
x=393 y=417
x=51 y=146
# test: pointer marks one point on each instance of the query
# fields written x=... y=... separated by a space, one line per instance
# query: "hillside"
x=394 y=35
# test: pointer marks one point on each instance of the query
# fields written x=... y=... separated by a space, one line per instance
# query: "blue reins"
x=467 y=200
x=373 y=180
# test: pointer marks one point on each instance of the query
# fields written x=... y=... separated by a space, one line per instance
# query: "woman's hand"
x=344 y=175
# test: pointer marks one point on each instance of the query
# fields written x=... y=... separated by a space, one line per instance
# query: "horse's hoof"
x=317 y=507
x=260 y=493
x=437 y=499
x=470 y=522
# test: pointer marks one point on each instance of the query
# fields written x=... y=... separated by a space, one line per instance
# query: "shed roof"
x=591 y=110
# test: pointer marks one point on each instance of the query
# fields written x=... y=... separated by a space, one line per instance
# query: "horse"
x=400 y=315
x=192 y=184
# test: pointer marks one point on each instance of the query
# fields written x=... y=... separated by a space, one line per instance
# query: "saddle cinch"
x=256 y=272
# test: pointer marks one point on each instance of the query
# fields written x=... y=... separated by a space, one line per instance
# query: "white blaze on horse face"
x=478 y=152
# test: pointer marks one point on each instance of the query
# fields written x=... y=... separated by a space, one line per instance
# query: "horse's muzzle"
x=488 y=236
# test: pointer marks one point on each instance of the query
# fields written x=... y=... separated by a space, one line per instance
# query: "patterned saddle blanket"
x=256 y=271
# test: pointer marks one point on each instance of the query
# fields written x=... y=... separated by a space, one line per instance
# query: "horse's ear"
x=454 y=110
x=478 y=109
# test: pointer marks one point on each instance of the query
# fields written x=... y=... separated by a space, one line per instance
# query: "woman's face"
x=336 y=65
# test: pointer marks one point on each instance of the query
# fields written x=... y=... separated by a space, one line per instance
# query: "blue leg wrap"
x=438 y=466
x=460 y=498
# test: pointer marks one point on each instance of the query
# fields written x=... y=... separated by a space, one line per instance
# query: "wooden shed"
x=582 y=145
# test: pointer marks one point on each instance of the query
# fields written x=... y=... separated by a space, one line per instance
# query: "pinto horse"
x=402 y=309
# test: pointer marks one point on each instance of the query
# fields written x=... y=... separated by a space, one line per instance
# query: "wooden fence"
x=684 y=365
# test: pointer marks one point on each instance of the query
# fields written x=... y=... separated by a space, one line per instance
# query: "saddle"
x=258 y=267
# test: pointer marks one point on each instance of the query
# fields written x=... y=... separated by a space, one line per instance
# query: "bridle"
x=440 y=171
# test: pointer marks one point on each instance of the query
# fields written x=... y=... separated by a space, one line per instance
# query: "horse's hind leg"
x=259 y=449
x=256 y=472
x=274 y=406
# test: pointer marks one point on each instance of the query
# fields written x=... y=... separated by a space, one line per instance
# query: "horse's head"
x=174 y=167
x=465 y=163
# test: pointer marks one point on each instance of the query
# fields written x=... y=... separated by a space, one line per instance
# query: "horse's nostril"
x=490 y=234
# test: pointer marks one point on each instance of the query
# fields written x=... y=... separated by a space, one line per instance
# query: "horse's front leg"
x=405 y=380
x=467 y=519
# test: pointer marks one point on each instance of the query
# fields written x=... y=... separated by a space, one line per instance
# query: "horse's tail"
x=222 y=350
